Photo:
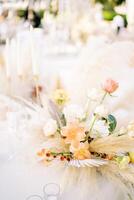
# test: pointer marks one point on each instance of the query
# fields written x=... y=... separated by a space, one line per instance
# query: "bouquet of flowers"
x=85 y=136
x=88 y=138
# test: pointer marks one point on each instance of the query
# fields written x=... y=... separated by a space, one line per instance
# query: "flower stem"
x=93 y=122
x=95 y=116
x=130 y=197
x=103 y=98
x=61 y=153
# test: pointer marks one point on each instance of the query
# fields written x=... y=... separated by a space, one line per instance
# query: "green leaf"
x=109 y=15
x=112 y=123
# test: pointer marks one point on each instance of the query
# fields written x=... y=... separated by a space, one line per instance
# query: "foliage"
x=37 y=16
x=113 y=3
x=108 y=9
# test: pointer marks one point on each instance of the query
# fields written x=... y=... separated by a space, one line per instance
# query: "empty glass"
x=34 y=197
x=51 y=191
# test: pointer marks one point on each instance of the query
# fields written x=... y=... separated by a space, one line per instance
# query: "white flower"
x=101 y=111
x=101 y=127
x=118 y=21
x=93 y=94
x=50 y=127
x=73 y=112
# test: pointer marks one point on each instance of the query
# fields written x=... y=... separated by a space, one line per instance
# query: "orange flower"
x=41 y=153
x=80 y=151
x=110 y=86
x=73 y=132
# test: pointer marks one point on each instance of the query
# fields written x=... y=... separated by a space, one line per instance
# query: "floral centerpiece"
x=78 y=130
x=87 y=137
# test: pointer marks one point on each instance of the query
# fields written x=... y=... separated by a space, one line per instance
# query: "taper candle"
x=34 y=54
x=18 y=56
x=7 y=59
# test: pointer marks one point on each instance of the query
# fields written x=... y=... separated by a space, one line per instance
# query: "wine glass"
x=34 y=197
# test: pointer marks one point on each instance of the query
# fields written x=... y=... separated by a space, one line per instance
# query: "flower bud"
x=110 y=86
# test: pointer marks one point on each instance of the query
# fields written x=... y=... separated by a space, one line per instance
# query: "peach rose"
x=110 y=86
x=73 y=132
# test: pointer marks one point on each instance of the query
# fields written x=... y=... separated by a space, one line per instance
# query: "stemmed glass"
x=51 y=191
x=34 y=197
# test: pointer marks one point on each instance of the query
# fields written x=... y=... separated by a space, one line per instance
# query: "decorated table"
x=66 y=100
x=22 y=134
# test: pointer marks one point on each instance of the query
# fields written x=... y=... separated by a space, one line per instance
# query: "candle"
x=35 y=63
x=130 y=12
x=61 y=6
x=18 y=56
x=13 y=54
x=34 y=54
x=7 y=59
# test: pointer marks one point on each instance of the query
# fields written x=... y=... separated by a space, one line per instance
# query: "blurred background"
x=46 y=38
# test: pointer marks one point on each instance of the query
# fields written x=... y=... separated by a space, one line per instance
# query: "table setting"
x=66 y=100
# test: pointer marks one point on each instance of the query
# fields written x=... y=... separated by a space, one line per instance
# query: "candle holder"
x=34 y=197
x=51 y=191
x=37 y=91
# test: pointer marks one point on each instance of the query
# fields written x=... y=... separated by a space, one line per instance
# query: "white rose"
x=101 y=128
x=73 y=112
x=101 y=111
x=93 y=94
x=50 y=127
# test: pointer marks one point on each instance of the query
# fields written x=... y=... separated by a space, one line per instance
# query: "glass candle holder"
x=51 y=191
x=34 y=197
